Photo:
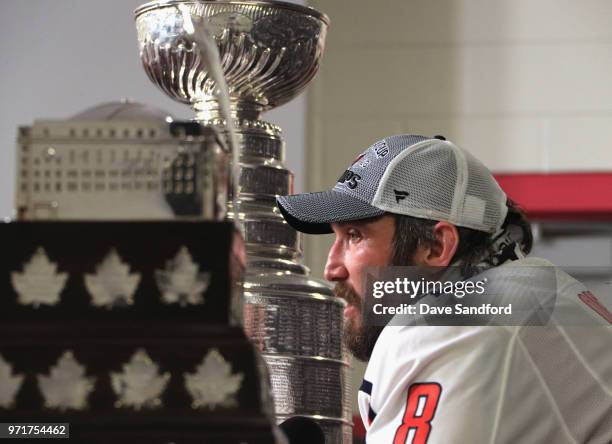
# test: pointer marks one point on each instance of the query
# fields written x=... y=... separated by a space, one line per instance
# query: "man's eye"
x=353 y=234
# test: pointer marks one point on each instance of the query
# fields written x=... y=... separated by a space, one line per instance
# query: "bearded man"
x=414 y=200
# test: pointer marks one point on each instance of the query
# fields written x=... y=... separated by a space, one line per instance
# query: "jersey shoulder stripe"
x=371 y=415
x=366 y=387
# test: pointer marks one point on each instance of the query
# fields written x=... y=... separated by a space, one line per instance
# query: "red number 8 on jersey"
x=421 y=404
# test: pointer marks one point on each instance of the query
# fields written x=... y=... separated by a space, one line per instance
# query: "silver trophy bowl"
x=269 y=51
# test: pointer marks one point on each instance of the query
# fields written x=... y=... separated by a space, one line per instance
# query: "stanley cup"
x=269 y=51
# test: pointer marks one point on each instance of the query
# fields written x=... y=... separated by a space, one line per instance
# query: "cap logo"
x=400 y=195
x=351 y=179
x=380 y=148
x=364 y=163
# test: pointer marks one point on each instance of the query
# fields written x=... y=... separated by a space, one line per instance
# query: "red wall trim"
x=561 y=196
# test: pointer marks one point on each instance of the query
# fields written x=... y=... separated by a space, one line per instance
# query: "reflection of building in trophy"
x=124 y=156
x=269 y=52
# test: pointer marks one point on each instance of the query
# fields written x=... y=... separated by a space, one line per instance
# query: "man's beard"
x=359 y=338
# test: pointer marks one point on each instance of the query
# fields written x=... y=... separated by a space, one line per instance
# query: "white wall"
x=522 y=84
x=62 y=56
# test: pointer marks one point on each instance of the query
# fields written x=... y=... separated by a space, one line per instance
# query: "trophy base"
x=132 y=346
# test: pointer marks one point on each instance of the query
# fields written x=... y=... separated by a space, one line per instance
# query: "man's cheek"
x=352 y=325
x=357 y=287
x=356 y=322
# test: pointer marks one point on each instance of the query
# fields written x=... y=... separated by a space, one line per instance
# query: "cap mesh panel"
x=428 y=175
x=483 y=186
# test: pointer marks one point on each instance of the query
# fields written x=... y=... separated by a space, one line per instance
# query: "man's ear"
x=441 y=251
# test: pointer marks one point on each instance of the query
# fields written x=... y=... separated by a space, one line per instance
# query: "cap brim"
x=313 y=213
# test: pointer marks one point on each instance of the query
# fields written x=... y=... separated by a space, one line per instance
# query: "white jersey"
x=472 y=384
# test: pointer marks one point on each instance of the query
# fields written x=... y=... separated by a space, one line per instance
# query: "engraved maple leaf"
x=213 y=383
x=181 y=282
x=9 y=384
x=66 y=387
x=140 y=384
x=39 y=283
x=112 y=283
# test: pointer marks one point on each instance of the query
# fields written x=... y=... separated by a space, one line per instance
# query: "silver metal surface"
x=322 y=378
x=294 y=324
x=269 y=52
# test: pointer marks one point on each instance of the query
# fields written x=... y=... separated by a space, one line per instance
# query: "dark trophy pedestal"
x=129 y=332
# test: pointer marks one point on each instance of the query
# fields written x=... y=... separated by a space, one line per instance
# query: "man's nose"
x=334 y=268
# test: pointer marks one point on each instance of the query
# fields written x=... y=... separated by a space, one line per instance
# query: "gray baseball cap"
x=429 y=178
